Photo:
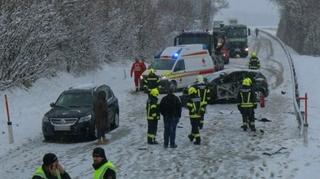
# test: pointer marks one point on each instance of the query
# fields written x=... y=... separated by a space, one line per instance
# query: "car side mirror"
x=52 y=105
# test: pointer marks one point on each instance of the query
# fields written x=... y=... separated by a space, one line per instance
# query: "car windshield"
x=236 y=32
x=162 y=64
x=215 y=76
x=75 y=100
x=194 y=39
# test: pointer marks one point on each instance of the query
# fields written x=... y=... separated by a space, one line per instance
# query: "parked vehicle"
x=224 y=85
x=180 y=65
x=72 y=113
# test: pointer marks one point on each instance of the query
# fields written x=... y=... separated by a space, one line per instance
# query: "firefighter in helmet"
x=151 y=81
x=196 y=110
x=247 y=104
x=203 y=92
x=153 y=115
x=254 y=62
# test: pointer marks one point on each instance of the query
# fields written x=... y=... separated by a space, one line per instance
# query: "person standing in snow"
x=204 y=94
x=153 y=115
x=170 y=108
x=254 y=62
x=247 y=104
x=195 y=111
x=50 y=169
x=137 y=68
x=103 y=169
x=101 y=117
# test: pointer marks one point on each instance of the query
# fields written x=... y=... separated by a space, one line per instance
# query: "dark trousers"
x=152 y=130
x=195 y=122
x=170 y=125
x=100 y=133
x=248 y=117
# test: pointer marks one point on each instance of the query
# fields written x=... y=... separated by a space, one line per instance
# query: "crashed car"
x=224 y=85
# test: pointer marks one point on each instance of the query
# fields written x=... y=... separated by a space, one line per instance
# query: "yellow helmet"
x=253 y=54
x=192 y=90
x=154 y=92
x=151 y=70
x=247 y=82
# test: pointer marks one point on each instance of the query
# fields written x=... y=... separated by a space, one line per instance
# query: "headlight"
x=163 y=78
x=45 y=119
x=85 y=118
x=246 y=49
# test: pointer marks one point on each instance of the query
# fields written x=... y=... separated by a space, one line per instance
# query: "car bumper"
x=78 y=129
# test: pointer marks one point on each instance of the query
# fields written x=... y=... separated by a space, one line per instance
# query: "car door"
x=179 y=70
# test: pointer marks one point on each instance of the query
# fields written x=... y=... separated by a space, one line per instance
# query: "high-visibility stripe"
x=191 y=73
x=204 y=52
x=246 y=104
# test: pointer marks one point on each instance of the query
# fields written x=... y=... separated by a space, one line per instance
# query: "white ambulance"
x=180 y=65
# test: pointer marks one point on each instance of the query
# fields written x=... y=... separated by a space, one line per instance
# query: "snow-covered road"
x=226 y=151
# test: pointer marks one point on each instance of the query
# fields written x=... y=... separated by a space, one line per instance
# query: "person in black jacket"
x=170 y=108
x=103 y=168
x=50 y=169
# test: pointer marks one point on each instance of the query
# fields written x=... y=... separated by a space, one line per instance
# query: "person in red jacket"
x=137 y=68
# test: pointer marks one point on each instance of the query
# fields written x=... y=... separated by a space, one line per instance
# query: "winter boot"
x=155 y=142
x=190 y=136
x=104 y=140
x=99 y=142
x=137 y=89
x=198 y=141
x=244 y=127
x=150 y=140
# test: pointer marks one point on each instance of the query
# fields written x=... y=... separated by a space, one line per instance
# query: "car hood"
x=57 y=112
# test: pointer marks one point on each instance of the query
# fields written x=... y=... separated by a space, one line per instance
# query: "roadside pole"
x=305 y=112
x=10 y=131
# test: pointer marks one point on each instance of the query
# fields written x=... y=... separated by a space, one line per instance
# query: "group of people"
x=52 y=169
x=170 y=108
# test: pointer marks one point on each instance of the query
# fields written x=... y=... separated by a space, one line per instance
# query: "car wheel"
x=116 y=121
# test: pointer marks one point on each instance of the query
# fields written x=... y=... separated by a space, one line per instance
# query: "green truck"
x=237 y=39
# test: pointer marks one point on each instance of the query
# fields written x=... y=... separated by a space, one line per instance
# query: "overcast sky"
x=251 y=12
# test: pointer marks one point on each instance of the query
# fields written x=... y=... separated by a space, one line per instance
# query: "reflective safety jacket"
x=39 y=173
x=153 y=112
x=195 y=107
x=151 y=81
x=254 y=63
x=246 y=98
x=100 y=172
x=203 y=92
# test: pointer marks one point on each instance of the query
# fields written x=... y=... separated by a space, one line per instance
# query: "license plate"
x=62 y=128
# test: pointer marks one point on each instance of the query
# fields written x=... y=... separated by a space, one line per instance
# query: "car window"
x=75 y=99
x=180 y=66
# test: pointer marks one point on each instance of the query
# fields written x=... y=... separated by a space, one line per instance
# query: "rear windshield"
x=162 y=64
x=83 y=99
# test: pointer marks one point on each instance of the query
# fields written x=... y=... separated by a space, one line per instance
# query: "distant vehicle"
x=224 y=85
x=180 y=65
x=237 y=39
x=72 y=113
x=196 y=37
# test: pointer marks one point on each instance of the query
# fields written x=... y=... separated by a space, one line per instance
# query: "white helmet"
x=200 y=79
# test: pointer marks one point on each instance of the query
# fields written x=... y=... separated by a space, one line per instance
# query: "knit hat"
x=49 y=158
x=98 y=151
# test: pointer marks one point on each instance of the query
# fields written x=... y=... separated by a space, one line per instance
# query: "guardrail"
x=296 y=102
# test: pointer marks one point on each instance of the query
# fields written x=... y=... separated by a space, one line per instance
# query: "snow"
x=251 y=12
x=226 y=151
